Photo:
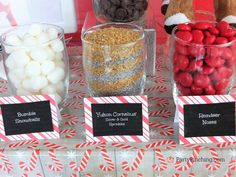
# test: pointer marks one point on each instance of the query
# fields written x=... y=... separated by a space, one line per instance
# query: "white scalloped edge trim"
x=177 y=19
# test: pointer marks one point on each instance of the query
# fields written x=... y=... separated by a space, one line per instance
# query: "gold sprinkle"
x=113 y=36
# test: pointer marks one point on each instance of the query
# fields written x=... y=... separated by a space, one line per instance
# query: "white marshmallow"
x=35 y=29
x=52 y=33
x=13 y=40
x=58 y=55
x=14 y=79
x=59 y=63
x=33 y=68
x=20 y=73
x=26 y=84
x=57 y=45
x=23 y=92
x=39 y=54
x=29 y=41
x=49 y=89
x=39 y=82
x=47 y=67
x=20 y=58
x=42 y=38
x=51 y=53
x=9 y=49
x=10 y=63
x=56 y=75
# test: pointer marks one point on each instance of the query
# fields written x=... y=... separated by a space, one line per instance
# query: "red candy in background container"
x=204 y=58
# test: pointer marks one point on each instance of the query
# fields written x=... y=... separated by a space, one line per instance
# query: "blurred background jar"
x=36 y=61
x=120 y=10
x=114 y=59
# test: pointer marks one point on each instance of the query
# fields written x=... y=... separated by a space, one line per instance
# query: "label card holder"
x=117 y=119
x=28 y=118
x=207 y=119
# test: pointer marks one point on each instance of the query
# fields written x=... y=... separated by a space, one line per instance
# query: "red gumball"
x=222 y=84
x=197 y=36
x=209 y=40
x=196 y=51
x=225 y=72
x=221 y=40
x=181 y=49
x=185 y=79
x=219 y=62
x=195 y=66
x=215 y=77
x=203 y=25
x=210 y=90
x=207 y=70
x=231 y=38
x=221 y=92
x=214 y=62
x=176 y=69
x=201 y=81
x=214 y=31
x=184 y=27
x=227 y=53
x=196 y=90
x=206 y=34
x=213 y=52
x=182 y=62
x=230 y=62
x=184 y=35
x=228 y=33
x=184 y=91
x=222 y=25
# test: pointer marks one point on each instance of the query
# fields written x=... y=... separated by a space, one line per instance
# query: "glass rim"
x=14 y=28
x=200 y=45
x=139 y=28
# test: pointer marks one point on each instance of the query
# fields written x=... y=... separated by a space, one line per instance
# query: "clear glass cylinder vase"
x=114 y=59
x=36 y=60
x=200 y=69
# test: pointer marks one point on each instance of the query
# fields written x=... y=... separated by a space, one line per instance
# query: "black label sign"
x=117 y=119
x=25 y=118
x=209 y=120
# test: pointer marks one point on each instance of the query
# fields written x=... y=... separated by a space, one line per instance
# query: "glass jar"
x=120 y=10
x=36 y=61
x=114 y=59
x=200 y=69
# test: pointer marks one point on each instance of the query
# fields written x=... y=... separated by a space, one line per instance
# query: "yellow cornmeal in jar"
x=112 y=44
x=116 y=68
x=117 y=85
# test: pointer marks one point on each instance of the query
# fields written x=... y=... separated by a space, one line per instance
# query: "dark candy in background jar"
x=123 y=10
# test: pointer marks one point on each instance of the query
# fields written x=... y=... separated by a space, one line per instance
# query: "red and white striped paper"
x=113 y=100
x=190 y=100
x=32 y=136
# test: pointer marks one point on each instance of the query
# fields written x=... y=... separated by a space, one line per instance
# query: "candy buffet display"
x=114 y=59
x=204 y=58
x=120 y=10
x=36 y=60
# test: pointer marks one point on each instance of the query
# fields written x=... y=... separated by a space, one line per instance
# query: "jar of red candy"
x=120 y=10
x=204 y=58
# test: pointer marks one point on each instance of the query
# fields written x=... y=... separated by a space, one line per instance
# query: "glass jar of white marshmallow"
x=36 y=61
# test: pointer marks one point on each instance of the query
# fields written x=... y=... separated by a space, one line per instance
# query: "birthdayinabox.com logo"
x=196 y=160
